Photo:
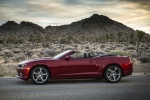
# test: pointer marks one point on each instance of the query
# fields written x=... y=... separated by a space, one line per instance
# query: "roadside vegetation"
x=16 y=48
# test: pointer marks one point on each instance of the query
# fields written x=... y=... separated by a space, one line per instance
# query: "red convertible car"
x=74 y=65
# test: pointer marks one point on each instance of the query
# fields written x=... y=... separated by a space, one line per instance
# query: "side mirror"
x=67 y=58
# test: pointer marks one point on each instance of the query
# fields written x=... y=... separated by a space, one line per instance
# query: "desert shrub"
x=1 y=41
x=87 y=47
x=141 y=48
x=16 y=51
x=18 y=58
x=119 y=52
x=106 y=50
x=45 y=45
x=39 y=55
x=49 y=53
x=144 y=59
x=2 y=54
x=103 y=46
x=113 y=48
x=19 y=41
x=6 y=61
x=63 y=41
x=134 y=55
x=75 y=45
x=10 y=54
x=109 y=48
x=146 y=48
x=99 y=52
x=118 y=45
x=131 y=48
x=45 y=55
x=69 y=48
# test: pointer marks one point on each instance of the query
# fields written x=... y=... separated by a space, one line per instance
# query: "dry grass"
x=8 y=69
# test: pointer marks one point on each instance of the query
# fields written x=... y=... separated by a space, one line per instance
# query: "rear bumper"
x=23 y=73
x=128 y=73
x=128 y=70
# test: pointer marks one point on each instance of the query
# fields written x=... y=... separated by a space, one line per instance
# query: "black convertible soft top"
x=104 y=55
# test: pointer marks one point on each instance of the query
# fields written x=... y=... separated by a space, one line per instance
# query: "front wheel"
x=113 y=74
x=39 y=75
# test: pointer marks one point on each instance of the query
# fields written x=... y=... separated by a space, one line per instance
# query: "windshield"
x=61 y=54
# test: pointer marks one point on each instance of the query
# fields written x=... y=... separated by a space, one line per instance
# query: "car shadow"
x=72 y=81
x=23 y=82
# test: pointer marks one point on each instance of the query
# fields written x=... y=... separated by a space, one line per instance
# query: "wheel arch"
x=111 y=65
x=40 y=65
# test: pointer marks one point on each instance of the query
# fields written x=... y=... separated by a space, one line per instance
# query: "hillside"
x=12 y=27
x=96 y=24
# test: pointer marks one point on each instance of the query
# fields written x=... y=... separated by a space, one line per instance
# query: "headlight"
x=21 y=65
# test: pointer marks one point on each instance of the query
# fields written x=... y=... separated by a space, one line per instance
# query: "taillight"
x=130 y=60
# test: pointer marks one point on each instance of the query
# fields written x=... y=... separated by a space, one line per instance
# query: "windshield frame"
x=61 y=54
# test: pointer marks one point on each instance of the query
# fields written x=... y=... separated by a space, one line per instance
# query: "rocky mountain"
x=12 y=27
x=96 y=24
x=9 y=27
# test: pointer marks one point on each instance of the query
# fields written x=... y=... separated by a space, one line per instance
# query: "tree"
x=140 y=35
x=132 y=38
x=119 y=34
x=146 y=39
x=46 y=39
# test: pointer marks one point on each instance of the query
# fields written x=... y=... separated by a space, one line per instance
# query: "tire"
x=113 y=74
x=39 y=75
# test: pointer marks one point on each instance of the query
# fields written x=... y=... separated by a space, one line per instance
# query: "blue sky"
x=133 y=13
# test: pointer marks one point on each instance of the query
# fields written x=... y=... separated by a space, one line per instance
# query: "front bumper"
x=23 y=73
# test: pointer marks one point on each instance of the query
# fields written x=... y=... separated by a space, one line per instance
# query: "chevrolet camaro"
x=71 y=64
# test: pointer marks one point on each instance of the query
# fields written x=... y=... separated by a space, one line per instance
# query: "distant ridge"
x=96 y=24
x=12 y=27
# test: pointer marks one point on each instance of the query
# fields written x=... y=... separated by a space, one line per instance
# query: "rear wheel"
x=39 y=75
x=113 y=74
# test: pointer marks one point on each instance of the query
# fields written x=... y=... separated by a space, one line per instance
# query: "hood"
x=36 y=59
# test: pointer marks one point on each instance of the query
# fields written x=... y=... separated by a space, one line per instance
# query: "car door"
x=78 y=68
